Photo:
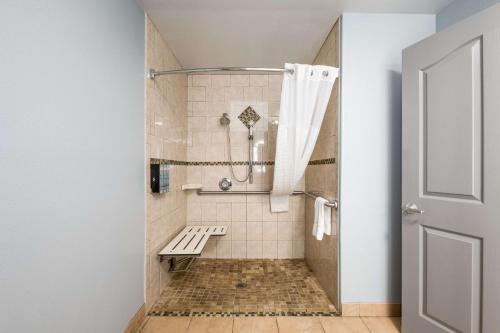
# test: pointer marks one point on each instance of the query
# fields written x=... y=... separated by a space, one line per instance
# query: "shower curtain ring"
x=325 y=73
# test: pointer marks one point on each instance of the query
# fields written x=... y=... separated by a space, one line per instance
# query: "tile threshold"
x=241 y=314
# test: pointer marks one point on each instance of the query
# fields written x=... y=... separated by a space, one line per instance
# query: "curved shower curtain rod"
x=152 y=74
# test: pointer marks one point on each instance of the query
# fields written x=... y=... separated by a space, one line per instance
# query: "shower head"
x=249 y=117
x=224 y=120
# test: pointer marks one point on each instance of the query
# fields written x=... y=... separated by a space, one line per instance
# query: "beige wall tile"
x=254 y=231
x=239 y=212
x=324 y=178
x=219 y=138
x=298 y=249
x=238 y=249
x=275 y=80
x=210 y=250
x=285 y=231
x=299 y=208
x=254 y=212
x=285 y=249
x=166 y=137
x=194 y=212
x=299 y=231
x=196 y=94
x=271 y=93
x=270 y=249
x=240 y=80
x=194 y=175
x=208 y=212
x=220 y=80
x=252 y=93
x=270 y=231
x=201 y=80
x=196 y=154
x=233 y=94
x=199 y=109
x=215 y=153
x=197 y=123
x=213 y=124
x=217 y=108
x=223 y=212
x=239 y=230
x=223 y=249
x=259 y=80
x=286 y=216
x=274 y=109
x=254 y=249
x=209 y=97
x=215 y=94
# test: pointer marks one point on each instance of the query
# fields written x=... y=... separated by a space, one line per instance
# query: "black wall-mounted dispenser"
x=159 y=178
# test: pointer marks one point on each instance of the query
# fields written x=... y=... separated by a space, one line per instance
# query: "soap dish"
x=191 y=187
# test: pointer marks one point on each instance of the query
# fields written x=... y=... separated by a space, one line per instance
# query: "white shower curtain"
x=304 y=98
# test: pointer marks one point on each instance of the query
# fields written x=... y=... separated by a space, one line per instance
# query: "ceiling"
x=259 y=33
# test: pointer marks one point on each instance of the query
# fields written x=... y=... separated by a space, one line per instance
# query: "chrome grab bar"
x=332 y=204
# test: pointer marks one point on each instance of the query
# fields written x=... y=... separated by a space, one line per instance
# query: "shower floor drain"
x=241 y=285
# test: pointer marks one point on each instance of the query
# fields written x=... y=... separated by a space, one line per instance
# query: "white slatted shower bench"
x=188 y=245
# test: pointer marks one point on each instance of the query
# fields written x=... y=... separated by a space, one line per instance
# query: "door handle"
x=411 y=208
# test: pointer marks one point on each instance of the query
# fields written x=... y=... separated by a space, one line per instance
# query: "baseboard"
x=134 y=325
x=371 y=309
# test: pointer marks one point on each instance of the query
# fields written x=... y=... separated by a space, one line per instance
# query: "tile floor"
x=285 y=287
x=272 y=325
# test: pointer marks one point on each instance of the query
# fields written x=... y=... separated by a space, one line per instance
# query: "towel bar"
x=332 y=204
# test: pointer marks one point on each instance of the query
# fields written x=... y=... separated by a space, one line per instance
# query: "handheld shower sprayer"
x=224 y=120
x=249 y=118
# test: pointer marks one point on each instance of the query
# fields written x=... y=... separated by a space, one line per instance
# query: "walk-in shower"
x=233 y=118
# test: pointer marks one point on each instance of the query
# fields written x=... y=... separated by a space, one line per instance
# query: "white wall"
x=460 y=9
x=370 y=157
x=71 y=165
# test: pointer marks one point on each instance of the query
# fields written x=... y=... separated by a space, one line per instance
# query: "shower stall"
x=215 y=129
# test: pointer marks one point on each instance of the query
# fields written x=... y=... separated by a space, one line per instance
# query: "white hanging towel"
x=322 y=219
x=304 y=97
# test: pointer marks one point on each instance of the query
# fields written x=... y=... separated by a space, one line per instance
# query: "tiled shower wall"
x=321 y=256
x=253 y=231
x=166 y=133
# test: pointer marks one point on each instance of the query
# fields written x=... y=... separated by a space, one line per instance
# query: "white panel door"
x=451 y=179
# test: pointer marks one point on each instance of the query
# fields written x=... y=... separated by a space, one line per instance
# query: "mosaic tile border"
x=221 y=163
x=323 y=161
x=169 y=162
x=240 y=314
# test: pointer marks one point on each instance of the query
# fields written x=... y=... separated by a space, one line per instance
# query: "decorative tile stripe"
x=240 y=314
x=323 y=161
x=169 y=162
x=229 y=163
x=222 y=163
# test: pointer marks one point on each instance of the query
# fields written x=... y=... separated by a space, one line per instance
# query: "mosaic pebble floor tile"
x=246 y=288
